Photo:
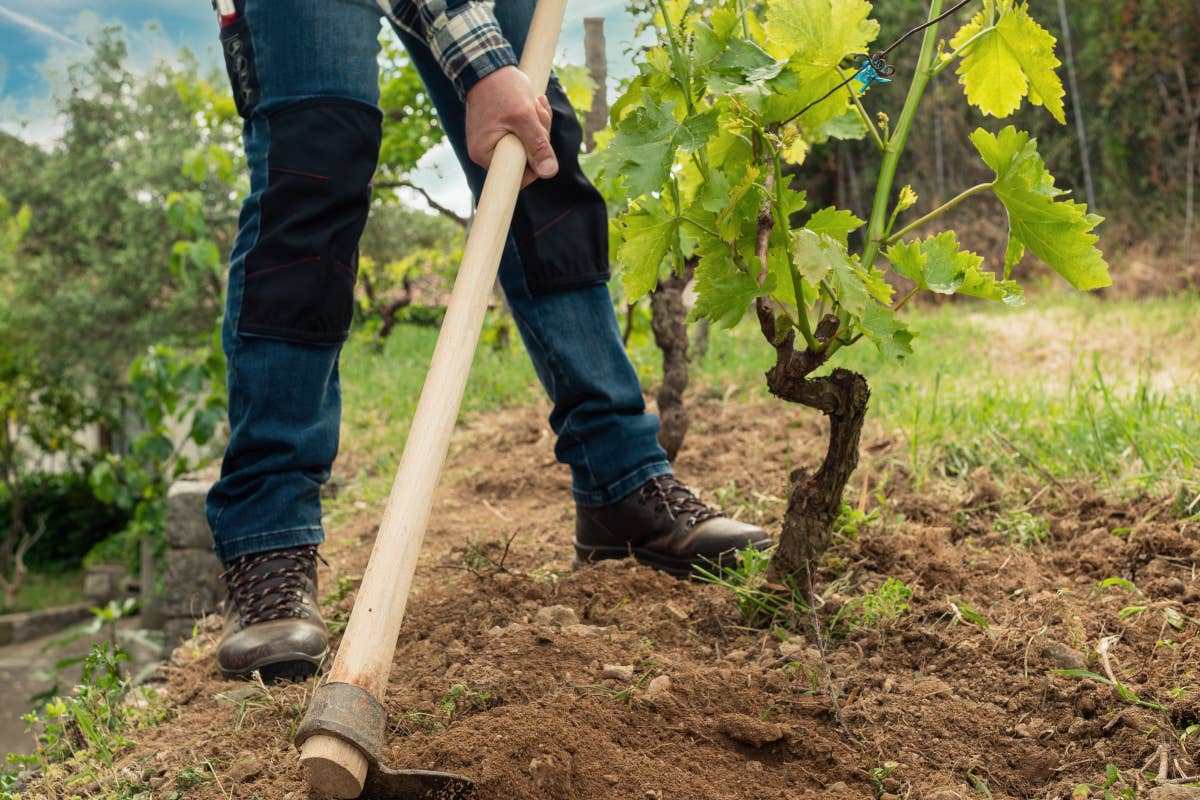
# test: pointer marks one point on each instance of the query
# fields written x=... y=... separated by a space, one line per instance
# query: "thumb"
x=537 y=146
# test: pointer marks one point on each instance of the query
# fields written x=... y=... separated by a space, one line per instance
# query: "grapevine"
x=729 y=99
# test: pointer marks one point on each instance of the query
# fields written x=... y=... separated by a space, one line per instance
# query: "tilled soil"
x=619 y=682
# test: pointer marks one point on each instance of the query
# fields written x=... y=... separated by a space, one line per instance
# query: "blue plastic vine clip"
x=869 y=74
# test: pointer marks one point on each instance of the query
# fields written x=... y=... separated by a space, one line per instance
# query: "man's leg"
x=626 y=498
x=305 y=77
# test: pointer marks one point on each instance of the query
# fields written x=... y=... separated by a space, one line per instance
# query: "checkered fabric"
x=463 y=36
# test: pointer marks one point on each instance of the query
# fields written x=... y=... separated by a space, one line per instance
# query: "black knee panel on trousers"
x=299 y=277
x=561 y=223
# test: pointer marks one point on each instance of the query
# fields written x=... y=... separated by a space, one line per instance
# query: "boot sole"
x=294 y=667
x=682 y=568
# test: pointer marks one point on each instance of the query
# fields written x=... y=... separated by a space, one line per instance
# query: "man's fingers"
x=545 y=115
x=537 y=146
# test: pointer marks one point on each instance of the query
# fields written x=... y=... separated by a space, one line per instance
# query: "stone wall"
x=191 y=582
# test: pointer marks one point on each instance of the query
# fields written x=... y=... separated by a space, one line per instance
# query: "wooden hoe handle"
x=335 y=766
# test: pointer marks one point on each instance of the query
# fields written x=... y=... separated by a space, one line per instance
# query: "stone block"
x=104 y=582
x=191 y=583
x=26 y=625
x=187 y=526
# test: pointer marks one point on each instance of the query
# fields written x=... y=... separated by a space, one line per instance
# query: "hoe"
x=342 y=734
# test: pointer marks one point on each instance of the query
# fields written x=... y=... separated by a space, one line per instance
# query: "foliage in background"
x=94 y=288
x=38 y=421
x=180 y=401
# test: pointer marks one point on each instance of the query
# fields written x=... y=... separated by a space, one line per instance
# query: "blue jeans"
x=318 y=57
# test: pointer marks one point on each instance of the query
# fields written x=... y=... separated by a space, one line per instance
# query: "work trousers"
x=305 y=75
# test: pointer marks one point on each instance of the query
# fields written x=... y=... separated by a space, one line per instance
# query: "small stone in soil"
x=581 y=630
x=245 y=771
x=659 y=689
x=1065 y=657
x=560 y=616
x=749 y=730
x=617 y=672
x=677 y=613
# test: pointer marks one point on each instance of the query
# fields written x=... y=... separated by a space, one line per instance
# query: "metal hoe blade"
x=415 y=784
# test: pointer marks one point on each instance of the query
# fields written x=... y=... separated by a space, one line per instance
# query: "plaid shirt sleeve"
x=465 y=39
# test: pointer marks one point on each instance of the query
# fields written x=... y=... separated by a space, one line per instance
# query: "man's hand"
x=505 y=102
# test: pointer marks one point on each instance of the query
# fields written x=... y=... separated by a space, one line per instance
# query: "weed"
x=412 y=721
x=878 y=609
x=257 y=698
x=1124 y=691
x=479 y=559
x=460 y=700
x=961 y=611
x=1113 y=788
x=761 y=603
x=877 y=775
x=742 y=504
x=1022 y=529
x=89 y=725
x=1119 y=583
x=850 y=522
x=345 y=583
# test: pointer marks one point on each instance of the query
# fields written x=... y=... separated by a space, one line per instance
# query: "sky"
x=40 y=38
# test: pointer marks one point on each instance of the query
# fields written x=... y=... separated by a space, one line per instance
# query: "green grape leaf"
x=1013 y=255
x=695 y=131
x=984 y=284
x=848 y=125
x=1009 y=61
x=798 y=86
x=821 y=258
x=884 y=328
x=834 y=222
x=937 y=265
x=821 y=32
x=1056 y=231
x=646 y=141
x=723 y=292
x=741 y=207
x=647 y=235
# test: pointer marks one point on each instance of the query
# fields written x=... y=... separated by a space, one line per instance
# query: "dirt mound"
x=619 y=682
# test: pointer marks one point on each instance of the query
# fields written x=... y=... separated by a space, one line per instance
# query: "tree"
x=701 y=140
x=95 y=286
x=39 y=419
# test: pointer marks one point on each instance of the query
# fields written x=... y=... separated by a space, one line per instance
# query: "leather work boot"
x=663 y=525
x=272 y=620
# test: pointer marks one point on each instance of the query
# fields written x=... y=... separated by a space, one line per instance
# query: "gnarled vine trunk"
x=814 y=498
x=668 y=320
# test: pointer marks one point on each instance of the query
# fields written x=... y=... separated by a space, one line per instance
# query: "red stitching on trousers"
x=551 y=224
x=298 y=172
x=278 y=267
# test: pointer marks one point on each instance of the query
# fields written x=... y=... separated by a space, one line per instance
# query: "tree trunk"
x=597 y=64
x=668 y=320
x=814 y=499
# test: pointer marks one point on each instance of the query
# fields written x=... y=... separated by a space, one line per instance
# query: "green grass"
x=46 y=591
x=1068 y=388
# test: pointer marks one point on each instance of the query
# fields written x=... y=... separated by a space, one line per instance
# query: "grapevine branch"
x=937 y=212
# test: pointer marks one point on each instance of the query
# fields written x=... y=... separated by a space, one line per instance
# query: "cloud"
x=37 y=27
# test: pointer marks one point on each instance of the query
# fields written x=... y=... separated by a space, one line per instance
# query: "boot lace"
x=266 y=594
x=678 y=500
